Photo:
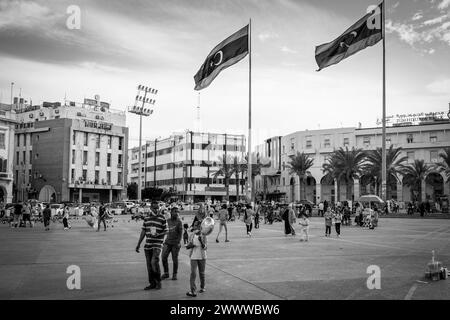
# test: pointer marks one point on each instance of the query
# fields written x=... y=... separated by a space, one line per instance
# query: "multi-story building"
x=186 y=163
x=71 y=152
x=7 y=127
x=424 y=141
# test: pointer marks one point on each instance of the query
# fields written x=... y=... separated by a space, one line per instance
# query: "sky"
x=163 y=43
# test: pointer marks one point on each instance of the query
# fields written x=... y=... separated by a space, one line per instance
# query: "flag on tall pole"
x=224 y=55
x=364 y=33
x=367 y=32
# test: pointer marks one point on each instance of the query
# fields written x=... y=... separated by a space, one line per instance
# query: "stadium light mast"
x=142 y=107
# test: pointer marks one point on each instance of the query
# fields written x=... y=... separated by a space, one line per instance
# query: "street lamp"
x=142 y=100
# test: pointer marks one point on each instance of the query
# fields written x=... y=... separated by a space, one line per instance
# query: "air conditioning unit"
x=41 y=114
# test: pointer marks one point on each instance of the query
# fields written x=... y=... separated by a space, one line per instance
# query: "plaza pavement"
x=33 y=262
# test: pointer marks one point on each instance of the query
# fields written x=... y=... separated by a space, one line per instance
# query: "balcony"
x=5 y=176
x=94 y=185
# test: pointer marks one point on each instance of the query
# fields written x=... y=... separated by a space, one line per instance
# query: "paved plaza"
x=33 y=262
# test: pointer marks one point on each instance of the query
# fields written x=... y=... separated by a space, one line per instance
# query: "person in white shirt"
x=304 y=222
x=197 y=246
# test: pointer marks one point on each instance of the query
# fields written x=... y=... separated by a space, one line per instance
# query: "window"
x=24 y=153
x=17 y=158
x=97 y=141
x=434 y=157
x=120 y=160
x=18 y=140
x=109 y=142
x=72 y=175
x=108 y=160
x=433 y=138
x=74 y=136
x=84 y=174
x=29 y=175
x=327 y=143
x=2 y=141
x=73 y=156
x=308 y=142
x=388 y=141
x=346 y=142
x=411 y=157
x=284 y=166
x=284 y=149
x=97 y=177
x=17 y=177
x=85 y=158
x=108 y=177
x=409 y=138
x=292 y=144
x=366 y=141
x=120 y=143
x=97 y=158
x=31 y=157
x=85 y=138
x=36 y=156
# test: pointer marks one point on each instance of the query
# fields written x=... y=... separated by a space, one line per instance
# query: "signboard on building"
x=97 y=125
x=415 y=118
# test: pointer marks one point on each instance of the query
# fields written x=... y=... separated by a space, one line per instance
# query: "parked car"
x=117 y=208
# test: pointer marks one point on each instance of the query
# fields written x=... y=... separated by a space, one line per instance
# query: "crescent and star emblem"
x=218 y=54
x=354 y=34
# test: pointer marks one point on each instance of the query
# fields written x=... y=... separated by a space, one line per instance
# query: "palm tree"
x=237 y=167
x=299 y=165
x=257 y=164
x=331 y=171
x=414 y=174
x=225 y=171
x=394 y=166
x=347 y=165
x=444 y=166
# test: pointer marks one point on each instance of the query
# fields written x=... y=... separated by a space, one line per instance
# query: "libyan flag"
x=364 y=33
x=225 y=54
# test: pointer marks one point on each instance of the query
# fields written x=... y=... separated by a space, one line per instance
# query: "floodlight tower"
x=142 y=107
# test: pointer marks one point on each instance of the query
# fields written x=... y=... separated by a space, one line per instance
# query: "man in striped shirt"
x=154 y=229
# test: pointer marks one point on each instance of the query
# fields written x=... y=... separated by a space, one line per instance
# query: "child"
x=185 y=233
x=304 y=222
x=197 y=253
x=328 y=222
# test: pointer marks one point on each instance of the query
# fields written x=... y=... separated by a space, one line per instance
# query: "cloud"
x=439 y=86
x=435 y=21
x=288 y=50
x=267 y=36
x=444 y=4
x=417 y=16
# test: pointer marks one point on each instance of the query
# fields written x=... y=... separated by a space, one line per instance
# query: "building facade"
x=7 y=127
x=185 y=163
x=73 y=152
x=418 y=142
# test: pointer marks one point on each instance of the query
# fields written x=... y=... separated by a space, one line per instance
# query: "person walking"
x=172 y=244
x=66 y=218
x=154 y=229
x=257 y=215
x=102 y=217
x=321 y=213
x=328 y=222
x=289 y=219
x=230 y=212
x=222 y=217
x=248 y=219
x=26 y=214
x=337 y=216
x=47 y=215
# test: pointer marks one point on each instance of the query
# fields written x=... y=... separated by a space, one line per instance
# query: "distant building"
x=7 y=127
x=71 y=152
x=185 y=163
x=418 y=141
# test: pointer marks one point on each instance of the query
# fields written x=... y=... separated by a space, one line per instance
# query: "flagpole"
x=249 y=160
x=383 y=165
